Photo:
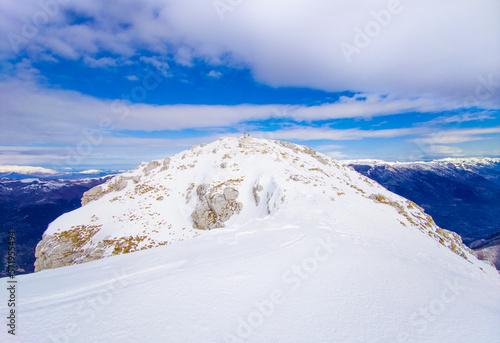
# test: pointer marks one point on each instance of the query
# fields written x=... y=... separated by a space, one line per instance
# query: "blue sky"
x=99 y=85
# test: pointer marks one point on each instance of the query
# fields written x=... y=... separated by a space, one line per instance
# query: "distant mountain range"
x=31 y=198
x=25 y=172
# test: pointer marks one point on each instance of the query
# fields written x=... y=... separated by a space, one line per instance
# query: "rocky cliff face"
x=223 y=184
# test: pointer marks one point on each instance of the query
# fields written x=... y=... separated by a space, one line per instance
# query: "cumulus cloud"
x=286 y=43
x=159 y=63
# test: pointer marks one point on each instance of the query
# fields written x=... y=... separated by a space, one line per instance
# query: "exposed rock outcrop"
x=118 y=183
x=215 y=208
x=92 y=194
x=256 y=196
x=491 y=254
x=68 y=247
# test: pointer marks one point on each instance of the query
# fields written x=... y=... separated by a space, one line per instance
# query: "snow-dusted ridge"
x=28 y=170
x=91 y=171
x=456 y=161
x=228 y=183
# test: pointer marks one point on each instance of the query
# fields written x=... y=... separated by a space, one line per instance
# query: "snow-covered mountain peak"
x=28 y=170
x=231 y=183
x=290 y=246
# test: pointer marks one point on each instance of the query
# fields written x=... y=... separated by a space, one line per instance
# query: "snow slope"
x=306 y=274
x=325 y=255
x=461 y=195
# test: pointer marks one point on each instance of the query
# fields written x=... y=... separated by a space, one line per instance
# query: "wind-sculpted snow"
x=224 y=184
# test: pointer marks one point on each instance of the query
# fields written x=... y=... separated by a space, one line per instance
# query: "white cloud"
x=307 y=133
x=328 y=147
x=455 y=136
x=184 y=56
x=214 y=74
x=33 y=113
x=367 y=106
x=103 y=62
x=336 y=154
x=444 y=150
x=111 y=151
x=132 y=78
x=460 y=118
x=407 y=57
x=159 y=63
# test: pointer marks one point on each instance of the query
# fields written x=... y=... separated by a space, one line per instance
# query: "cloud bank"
x=449 y=48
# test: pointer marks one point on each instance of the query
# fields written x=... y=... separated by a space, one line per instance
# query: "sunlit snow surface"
x=315 y=270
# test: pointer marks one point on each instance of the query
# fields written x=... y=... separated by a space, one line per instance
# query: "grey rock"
x=321 y=160
x=231 y=194
x=119 y=185
x=54 y=253
x=256 y=190
x=91 y=195
x=491 y=254
x=151 y=165
x=166 y=164
x=287 y=145
x=215 y=208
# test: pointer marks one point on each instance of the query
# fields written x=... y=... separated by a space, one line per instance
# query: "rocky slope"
x=230 y=182
x=28 y=206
